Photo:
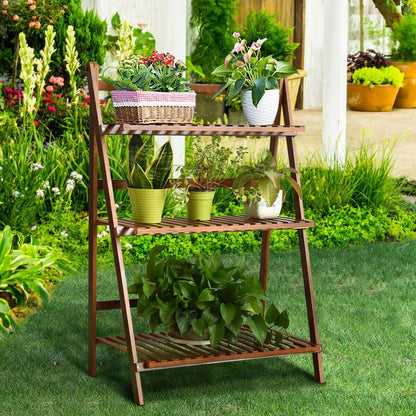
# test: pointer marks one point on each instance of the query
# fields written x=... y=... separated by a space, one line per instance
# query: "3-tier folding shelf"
x=155 y=351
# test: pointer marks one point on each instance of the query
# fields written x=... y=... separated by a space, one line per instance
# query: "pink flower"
x=52 y=109
x=236 y=35
x=32 y=7
x=102 y=101
x=247 y=58
x=37 y=25
x=239 y=64
x=31 y=24
x=5 y=2
x=29 y=1
x=49 y=88
x=15 y=17
x=237 y=47
x=257 y=45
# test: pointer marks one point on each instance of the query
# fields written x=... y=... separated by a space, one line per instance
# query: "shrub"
x=259 y=25
x=214 y=21
x=404 y=39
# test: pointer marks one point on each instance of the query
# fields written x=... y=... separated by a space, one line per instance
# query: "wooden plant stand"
x=155 y=351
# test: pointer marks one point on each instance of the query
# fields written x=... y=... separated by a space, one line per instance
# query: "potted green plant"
x=260 y=24
x=147 y=174
x=255 y=77
x=210 y=164
x=204 y=301
x=152 y=90
x=260 y=187
x=374 y=89
x=403 y=57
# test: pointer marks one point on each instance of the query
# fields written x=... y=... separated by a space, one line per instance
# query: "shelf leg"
x=310 y=303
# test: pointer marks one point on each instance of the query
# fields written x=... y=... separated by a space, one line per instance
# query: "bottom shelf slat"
x=156 y=351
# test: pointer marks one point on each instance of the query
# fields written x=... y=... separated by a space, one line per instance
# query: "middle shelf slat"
x=181 y=225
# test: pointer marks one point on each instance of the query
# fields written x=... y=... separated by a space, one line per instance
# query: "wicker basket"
x=144 y=107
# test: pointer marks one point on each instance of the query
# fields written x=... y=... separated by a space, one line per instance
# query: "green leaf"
x=216 y=333
x=154 y=320
x=183 y=320
x=272 y=314
x=199 y=326
x=258 y=90
x=258 y=327
x=116 y=21
x=236 y=324
x=228 y=312
x=205 y=296
x=167 y=311
x=283 y=319
x=161 y=166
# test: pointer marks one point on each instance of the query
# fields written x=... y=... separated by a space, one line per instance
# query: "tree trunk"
x=389 y=11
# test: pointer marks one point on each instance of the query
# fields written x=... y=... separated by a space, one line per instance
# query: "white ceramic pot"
x=266 y=110
x=263 y=211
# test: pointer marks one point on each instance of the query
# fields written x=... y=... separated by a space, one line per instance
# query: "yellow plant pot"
x=199 y=205
x=147 y=205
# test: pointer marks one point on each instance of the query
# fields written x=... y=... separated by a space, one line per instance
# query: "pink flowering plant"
x=159 y=72
x=245 y=69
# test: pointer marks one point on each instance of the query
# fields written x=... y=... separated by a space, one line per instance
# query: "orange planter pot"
x=378 y=98
x=406 y=98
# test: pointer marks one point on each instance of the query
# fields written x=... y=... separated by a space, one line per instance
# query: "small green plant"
x=245 y=69
x=262 y=180
x=145 y=170
x=23 y=270
x=205 y=295
x=210 y=163
x=404 y=39
x=260 y=24
x=369 y=77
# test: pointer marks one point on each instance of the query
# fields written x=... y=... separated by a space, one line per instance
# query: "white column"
x=335 y=80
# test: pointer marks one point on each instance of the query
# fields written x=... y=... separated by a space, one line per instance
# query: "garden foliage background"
x=44 y=141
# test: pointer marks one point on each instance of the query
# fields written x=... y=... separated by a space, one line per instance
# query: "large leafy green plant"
x=23 y=270
x=245 y=69
x=144 y=169
x=205 y=295
x=263 y=180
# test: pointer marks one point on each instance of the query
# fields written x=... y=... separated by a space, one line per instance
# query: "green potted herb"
x=147 y=174
x=152 y=90
x=403 y=56
x=211 y=162
x=255 y=77
x=374 y=89
x=260 y=187
x=201 y=299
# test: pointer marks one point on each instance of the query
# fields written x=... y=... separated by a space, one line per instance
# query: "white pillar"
x=335 y=80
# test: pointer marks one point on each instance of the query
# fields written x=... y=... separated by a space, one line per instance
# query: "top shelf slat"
x=203 y=129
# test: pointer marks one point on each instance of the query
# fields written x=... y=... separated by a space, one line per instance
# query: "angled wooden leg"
x=310 y=303
x=92 y=255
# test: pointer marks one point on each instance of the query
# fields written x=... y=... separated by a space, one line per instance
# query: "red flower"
x=52 y=109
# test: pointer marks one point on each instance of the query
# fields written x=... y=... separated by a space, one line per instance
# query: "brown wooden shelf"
x=199 y=129
x=180 y=225
x=156 y=351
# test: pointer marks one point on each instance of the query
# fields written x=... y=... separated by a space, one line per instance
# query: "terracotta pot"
x=406 y=98
x=201 y=88
x=378 y=98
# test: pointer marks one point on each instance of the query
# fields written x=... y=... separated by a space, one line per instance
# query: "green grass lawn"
x=366 y=311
